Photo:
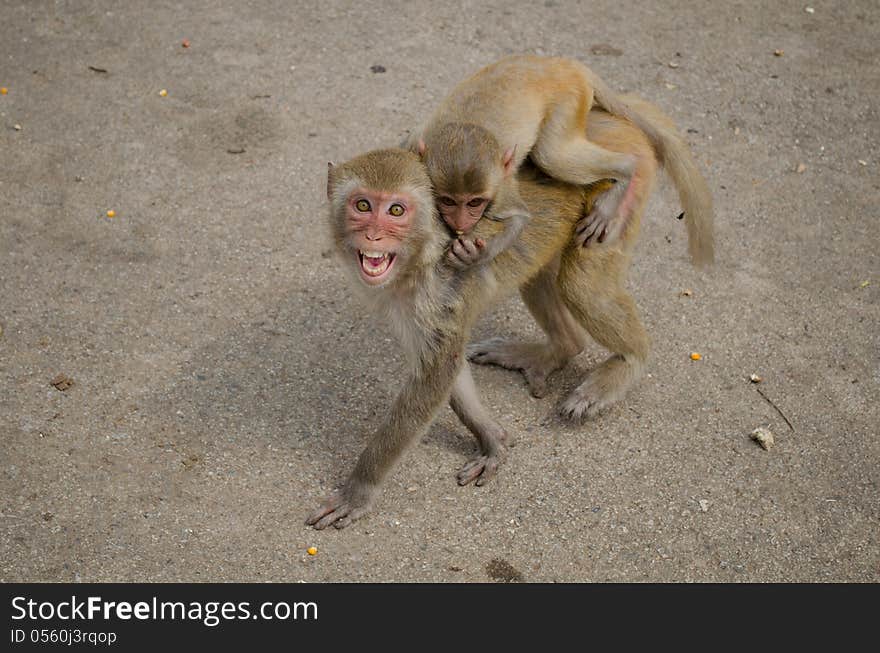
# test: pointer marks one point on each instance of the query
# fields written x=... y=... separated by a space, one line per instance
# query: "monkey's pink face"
x=461 y=212
x=378 y=223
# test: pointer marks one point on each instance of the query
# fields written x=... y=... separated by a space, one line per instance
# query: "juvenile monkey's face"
x=462 y=211
x=377 y=224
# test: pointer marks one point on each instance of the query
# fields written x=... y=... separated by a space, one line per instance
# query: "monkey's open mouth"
x=375 y=265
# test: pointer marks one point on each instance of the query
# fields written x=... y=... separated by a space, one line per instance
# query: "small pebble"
x=809 y=10
x=779 y=53
x=17 y=127
x=704 y=505
x=800 y=168
x=163 y=93
x=764 y=437
x=754 y=378
x=312 y=550
x=111 y=213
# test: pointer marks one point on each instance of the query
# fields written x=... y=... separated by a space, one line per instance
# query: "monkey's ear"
x=422 y=148
x=508 y=159
x=330 y=170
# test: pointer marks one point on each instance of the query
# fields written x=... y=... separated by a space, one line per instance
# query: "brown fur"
x=569 y=290
x=539 y=106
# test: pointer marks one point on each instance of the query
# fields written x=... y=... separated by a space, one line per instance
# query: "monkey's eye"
x=447 y=201
x=477 y=201
x=362 y=205
x=396 y=210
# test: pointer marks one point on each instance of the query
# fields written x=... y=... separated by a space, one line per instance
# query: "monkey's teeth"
x=374 y=264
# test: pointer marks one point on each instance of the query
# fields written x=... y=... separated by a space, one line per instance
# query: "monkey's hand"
x=345 y=505
x=608 y=217
x=465 y=252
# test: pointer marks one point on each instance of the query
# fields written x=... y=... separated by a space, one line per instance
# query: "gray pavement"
x=225 y=377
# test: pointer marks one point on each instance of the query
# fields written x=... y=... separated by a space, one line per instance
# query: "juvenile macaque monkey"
x=536 y=106
x=384 y=224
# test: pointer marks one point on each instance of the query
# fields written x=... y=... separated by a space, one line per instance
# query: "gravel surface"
x=181 y=384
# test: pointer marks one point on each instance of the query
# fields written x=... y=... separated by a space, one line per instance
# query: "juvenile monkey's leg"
x=591 y=287
x=491 y=436
x=563 y=151
x=621 y=200
x=537 y=361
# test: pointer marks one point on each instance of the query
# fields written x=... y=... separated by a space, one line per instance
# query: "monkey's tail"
x=676 y=157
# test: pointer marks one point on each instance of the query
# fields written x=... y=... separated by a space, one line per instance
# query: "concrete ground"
x=225 y=377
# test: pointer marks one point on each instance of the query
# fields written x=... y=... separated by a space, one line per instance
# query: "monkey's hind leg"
x=491 y=436
x=563 y=151
x=591 y=285
x=537 y=361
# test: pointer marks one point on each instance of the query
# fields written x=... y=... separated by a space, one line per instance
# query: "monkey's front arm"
x=423 y=393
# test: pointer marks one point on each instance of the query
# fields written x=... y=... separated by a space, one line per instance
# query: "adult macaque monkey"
x=528 y=105
x=385 y=227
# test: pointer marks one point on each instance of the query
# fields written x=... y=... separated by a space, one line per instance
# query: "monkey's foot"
x=339 y=510
x=605 y=222
x=603 y=387
x=482 y=468
x=536 y=361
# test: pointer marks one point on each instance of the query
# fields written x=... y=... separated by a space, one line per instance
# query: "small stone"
x=754 y=378
x=800 y=168
x=377 y=69
x=61 y=382
x=672 y=64
x=862 y=162
x=312 y=550
x=16 y=127
x=778 y=53
x=809 y=10
x=764 y=437
x=704 y=505
x=163 y=93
